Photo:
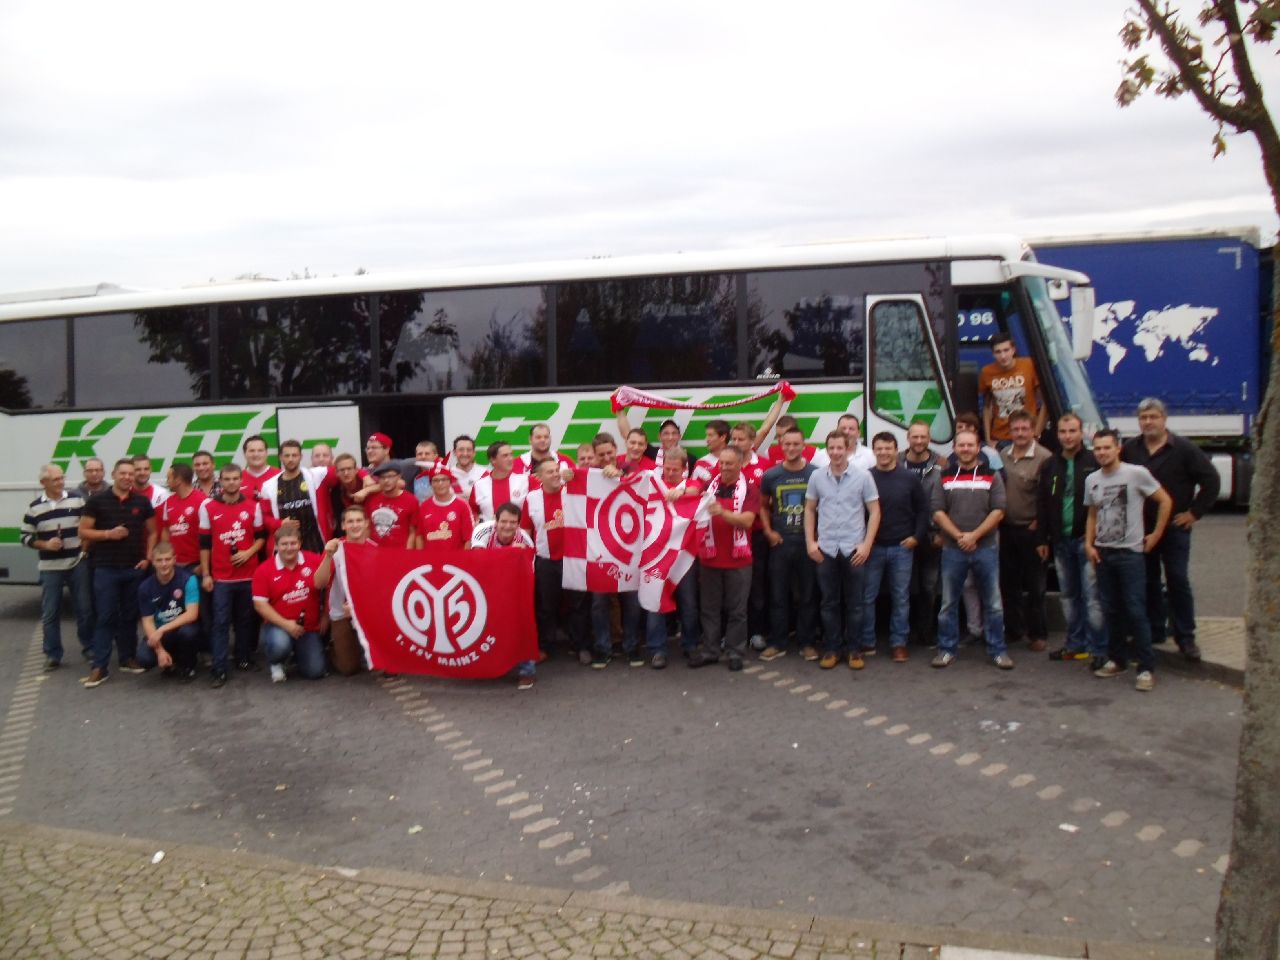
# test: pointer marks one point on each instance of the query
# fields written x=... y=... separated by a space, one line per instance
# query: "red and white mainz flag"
x=457 y=613
x=622 y=535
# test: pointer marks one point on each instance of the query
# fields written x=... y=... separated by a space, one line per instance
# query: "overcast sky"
x=163 y=144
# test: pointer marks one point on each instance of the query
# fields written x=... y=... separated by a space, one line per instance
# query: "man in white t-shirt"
x=1116 y=545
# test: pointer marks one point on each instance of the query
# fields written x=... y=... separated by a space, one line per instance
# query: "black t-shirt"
x=295 y=504
x=109 y=511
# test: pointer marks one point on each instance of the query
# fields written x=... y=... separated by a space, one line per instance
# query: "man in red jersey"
x=391 y=510
x=286 y=595
x=349 y=482
x=637 y=458
x=231 y=536
x=179 y=522
x=500 y=485
x=775 y=455
x=543 y=519
x=256 y=471
x=443 y=521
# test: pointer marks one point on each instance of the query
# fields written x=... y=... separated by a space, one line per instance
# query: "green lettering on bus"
x=227 y=430
x=78 y=439
x=140 y=442
x=511 y=423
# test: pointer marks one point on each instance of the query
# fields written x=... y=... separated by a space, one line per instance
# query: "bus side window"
x=906 y=386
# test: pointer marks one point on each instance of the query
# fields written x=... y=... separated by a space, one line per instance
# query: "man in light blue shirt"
x=841 y=518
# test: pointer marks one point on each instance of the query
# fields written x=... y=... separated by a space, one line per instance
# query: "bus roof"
x=1004 y=247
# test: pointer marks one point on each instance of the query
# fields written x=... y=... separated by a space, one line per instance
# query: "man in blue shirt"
x=169 y=605
x=904 y=524
x=841 y=518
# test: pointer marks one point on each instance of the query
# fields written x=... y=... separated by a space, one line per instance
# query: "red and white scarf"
x=631 y=397
x=741 y=535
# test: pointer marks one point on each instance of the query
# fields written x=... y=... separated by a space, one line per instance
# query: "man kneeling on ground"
x=169 y=605
x=286 y=595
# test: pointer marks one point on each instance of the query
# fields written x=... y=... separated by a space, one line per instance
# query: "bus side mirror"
x=1082 y=309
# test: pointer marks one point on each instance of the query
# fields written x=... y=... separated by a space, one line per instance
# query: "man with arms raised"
x=968 y=505
x=120 y=524
x=841 y=518
x=791 y=572
x=1115 y=543
x=543 y=519
x=286 y=595
x=169 y=604
x=500 y=485
x=231 y=536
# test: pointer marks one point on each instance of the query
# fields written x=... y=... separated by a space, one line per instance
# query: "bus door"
x=337 y=424
x=904 y=371
x=980 y=315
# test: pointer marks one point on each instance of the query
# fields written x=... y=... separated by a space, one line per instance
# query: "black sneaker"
x=700 y=659
x=217 y=679
x=659 y=661
x=1097 y=663
x=635 y=659
x=735 y=664
x=599 y=661
x=246 y=665
x=132 y=666
x=1191 y=651
x=186 y=676
x=51 y=665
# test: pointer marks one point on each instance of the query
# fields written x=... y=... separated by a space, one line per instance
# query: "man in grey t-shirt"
x=1115 y=544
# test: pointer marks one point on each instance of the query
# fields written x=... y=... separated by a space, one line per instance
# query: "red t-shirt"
x=521 y=464
x=443 y=526
x=391 y=517
x=629 y=467
x=181 y=517
x=723 y=533
x=543 y=519
x=251 y=486
x=225 y=527
x=291 y=591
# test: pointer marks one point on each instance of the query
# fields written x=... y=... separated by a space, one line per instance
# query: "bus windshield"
x=1069 y=373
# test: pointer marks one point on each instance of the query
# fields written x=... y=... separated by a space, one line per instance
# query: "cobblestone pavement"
x=68 y=894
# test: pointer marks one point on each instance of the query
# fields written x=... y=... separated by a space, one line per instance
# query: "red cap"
x=438 y=469
x=381 y=438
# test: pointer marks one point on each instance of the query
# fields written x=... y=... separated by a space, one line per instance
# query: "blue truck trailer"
x=1184 y=317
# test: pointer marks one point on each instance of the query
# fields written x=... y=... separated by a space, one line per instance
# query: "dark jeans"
x=686 y=598
x=600 y=603
x=1021 y=585
x=758 y=618
x=843 y=588
x=1173 y=554
x=1122 y=581
x=233 y=607
x=925 y=570
x=307 y=650
x=79 y=580
x=548 y=597
x=180 y=644
x=115 y=604
x=890 y=565
x=1078 y=591
x=792 y=584
x=724 y=594
x=984 y=562
x=205 y=624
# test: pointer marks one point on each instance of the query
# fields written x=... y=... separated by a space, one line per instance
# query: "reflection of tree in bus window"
x=901 y=351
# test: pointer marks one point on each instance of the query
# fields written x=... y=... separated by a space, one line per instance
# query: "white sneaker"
x=277 y=673
x=1145 y=682
x=757 y=642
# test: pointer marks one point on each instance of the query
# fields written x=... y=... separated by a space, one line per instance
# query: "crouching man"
x=286 y=595
x=169 y=605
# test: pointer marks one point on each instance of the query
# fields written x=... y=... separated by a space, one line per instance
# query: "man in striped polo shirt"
x=52 y=526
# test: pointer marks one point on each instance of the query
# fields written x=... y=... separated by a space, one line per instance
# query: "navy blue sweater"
x=904 y=509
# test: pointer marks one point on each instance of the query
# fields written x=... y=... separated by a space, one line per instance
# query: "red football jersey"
x=391 y=517
x=291 y=591
x=181 y=517
x=230 y=527
x=443 y=526
x=251 y=486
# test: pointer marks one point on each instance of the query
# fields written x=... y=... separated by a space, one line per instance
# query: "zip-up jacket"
x=1053 y=487
x=968 y=497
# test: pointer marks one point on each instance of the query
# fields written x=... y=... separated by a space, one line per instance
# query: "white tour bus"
x=867 y=327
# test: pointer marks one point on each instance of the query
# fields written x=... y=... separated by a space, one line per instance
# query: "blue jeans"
x=1078 y=591
x=686 y=597
x=80 y=582
x=893 y=563
x=180 y=644
x=1122 y=581
x=792 y=584
x=232 y=606
x=630 y=622
x=1173 y=553
x=115 y=604
x=985 y=564
x=206 y=609
x=307 y=650
x=843 y=587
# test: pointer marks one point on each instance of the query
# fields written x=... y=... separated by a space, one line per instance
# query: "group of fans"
x=795 y=547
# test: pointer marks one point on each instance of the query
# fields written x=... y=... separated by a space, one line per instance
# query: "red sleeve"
x=471 y=501
x=265 y=519
x=262 y=583
x=467 y=526
x=526 y=521
x=568 y=461
x=751 y=502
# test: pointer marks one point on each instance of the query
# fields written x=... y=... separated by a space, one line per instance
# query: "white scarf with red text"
x=741 y=535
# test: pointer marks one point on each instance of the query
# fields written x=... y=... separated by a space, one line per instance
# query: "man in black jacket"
x=1190 y=479
x=1060 y=524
